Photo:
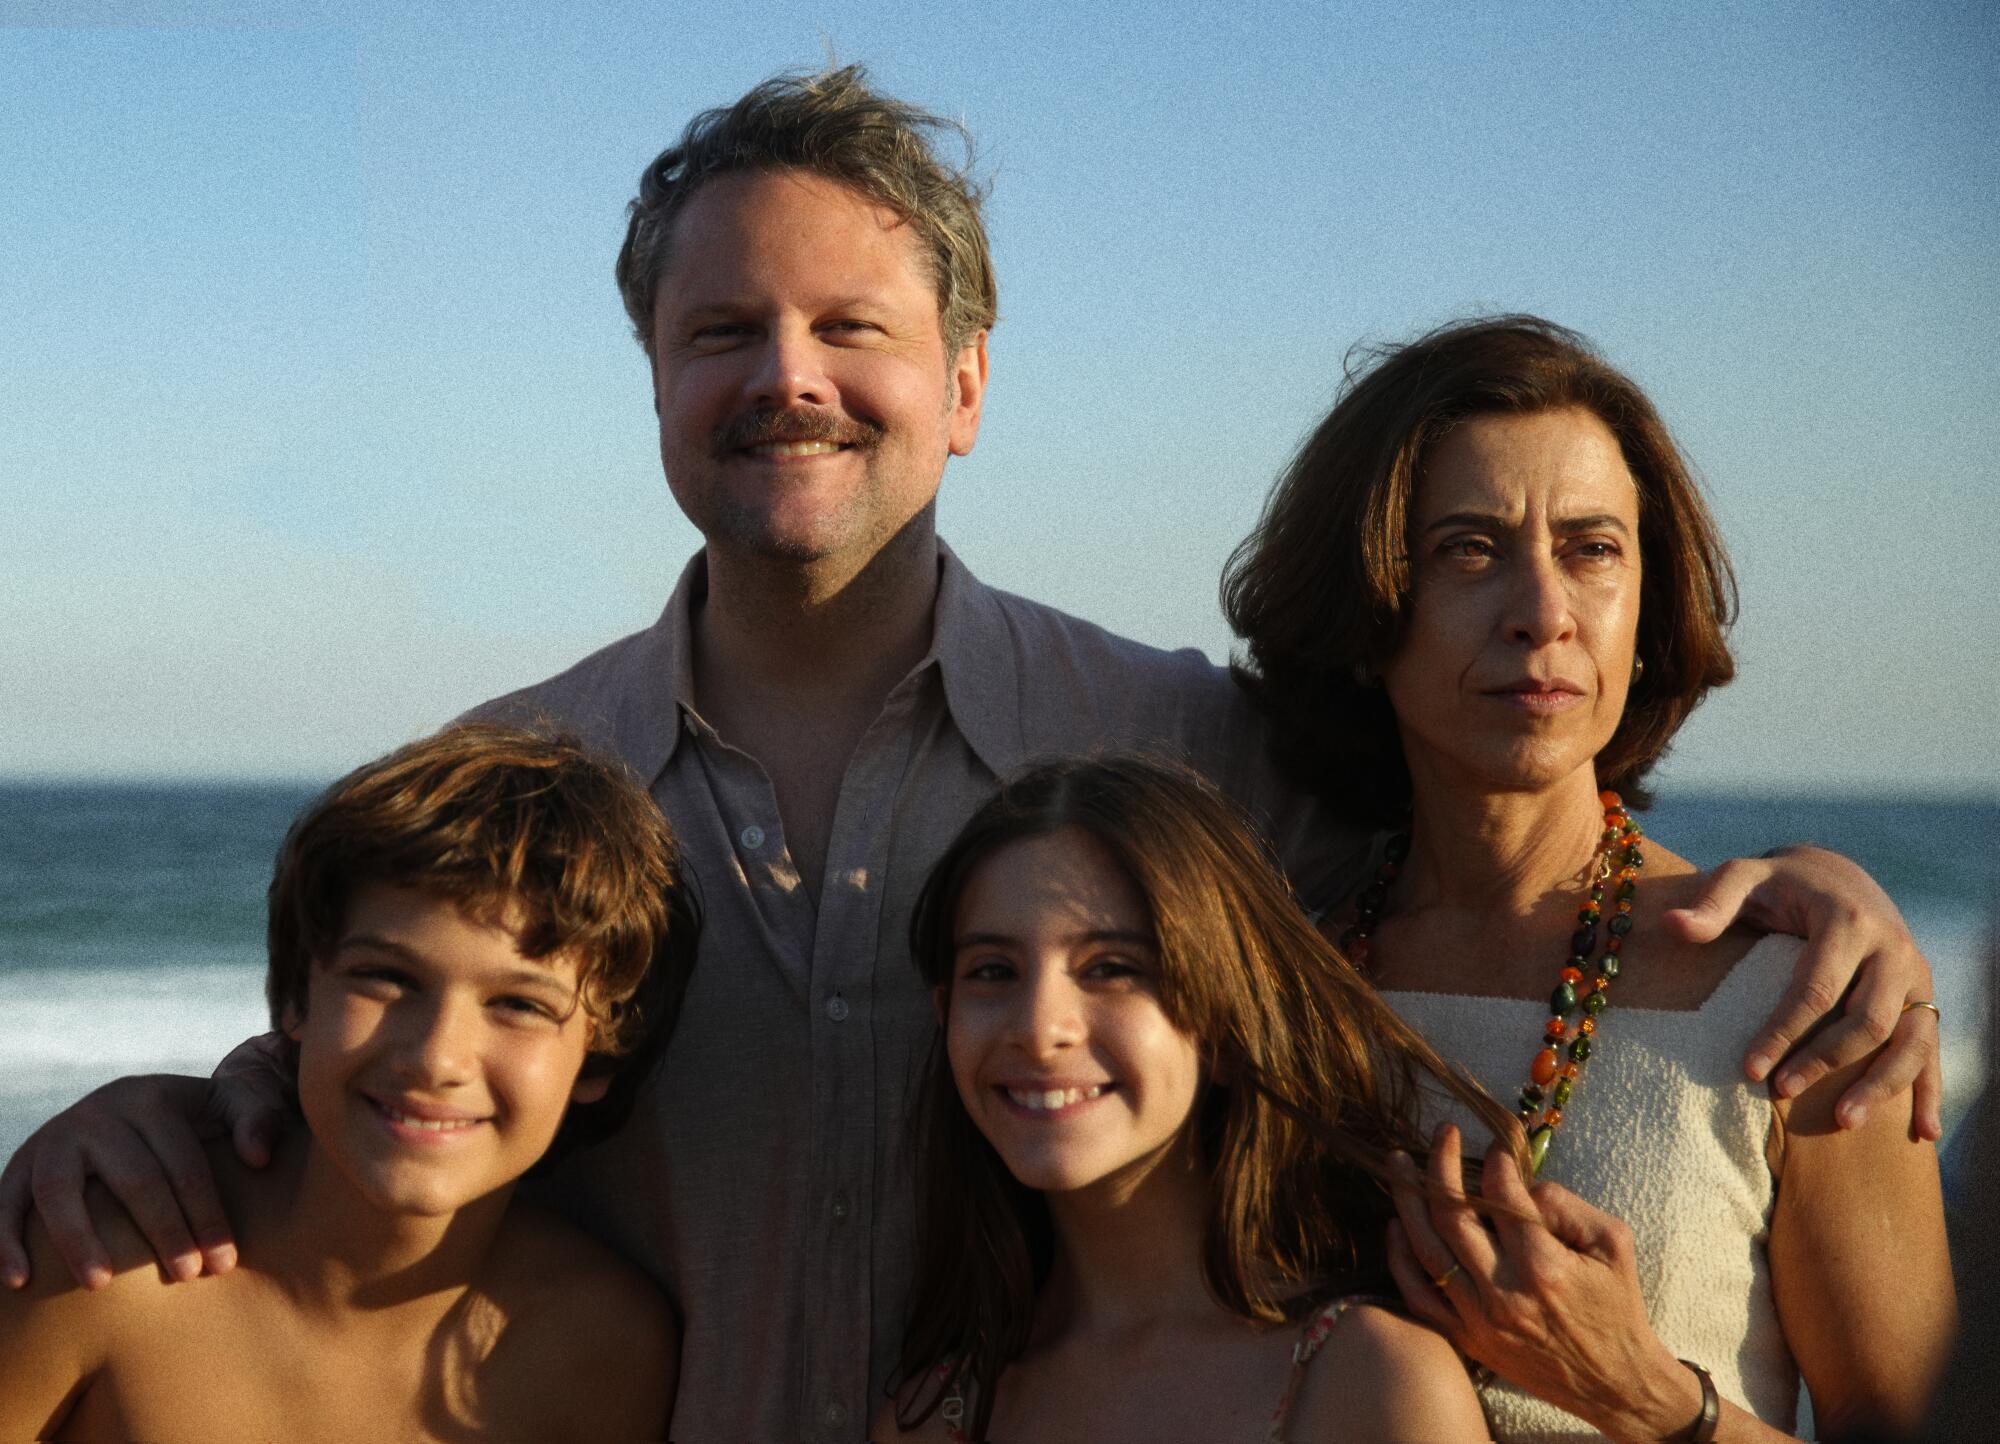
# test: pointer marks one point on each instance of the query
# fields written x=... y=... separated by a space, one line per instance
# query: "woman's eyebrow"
x=1597 y=521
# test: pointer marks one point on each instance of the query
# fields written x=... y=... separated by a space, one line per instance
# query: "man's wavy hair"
x=1320 y=590
x=518 y=827
x=1309 y=1081
x=832 y=124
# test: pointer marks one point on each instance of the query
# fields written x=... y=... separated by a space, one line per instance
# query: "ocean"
x=132 y=917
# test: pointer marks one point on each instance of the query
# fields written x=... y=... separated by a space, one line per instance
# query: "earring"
x=1364 y=675
x=1638 y=668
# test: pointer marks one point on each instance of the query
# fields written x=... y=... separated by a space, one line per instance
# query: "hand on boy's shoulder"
x=582 y=1321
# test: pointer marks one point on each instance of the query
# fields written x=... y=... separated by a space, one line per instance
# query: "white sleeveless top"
x=1665 y=1132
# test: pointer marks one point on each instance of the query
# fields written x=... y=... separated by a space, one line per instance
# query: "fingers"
x=1722 y=897
x=192 y=1221
x=1910 y=1055
x=252 y=1096
x=1927 y=1107
x=15 y=1200
x=1826 y=965
x=1514 y=1215
x=1421 y=1296
x=58 y=1193
x=1454 y=1219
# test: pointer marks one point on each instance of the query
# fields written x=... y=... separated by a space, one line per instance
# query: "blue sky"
x=320 y=419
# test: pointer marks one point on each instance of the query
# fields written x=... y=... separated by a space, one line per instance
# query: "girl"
x=1157 y=1131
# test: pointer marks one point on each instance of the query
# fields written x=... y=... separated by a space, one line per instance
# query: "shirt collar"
x=973 y=648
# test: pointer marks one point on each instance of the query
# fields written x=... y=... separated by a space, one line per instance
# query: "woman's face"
x=1057 y=1041
x=1524 y=607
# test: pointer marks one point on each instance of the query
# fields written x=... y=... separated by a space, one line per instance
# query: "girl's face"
x=1061 y=1051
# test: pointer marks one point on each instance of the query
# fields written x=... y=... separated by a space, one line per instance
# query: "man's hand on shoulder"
x=142 y=1138
x=1857 y=948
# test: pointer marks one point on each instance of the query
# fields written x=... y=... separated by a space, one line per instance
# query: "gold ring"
x=1932 y=1006
x=1444 y=1278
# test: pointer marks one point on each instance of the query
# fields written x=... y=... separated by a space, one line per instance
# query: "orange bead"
x=1614 y=944
x=1572 y=975
x=1555 y=1028
x=1610 y=799
x=1601 y=984
x=1555 y=1117
x=1628 y=874
x=1544 y=1067
x=1571 y=1072
x=1587 y=1026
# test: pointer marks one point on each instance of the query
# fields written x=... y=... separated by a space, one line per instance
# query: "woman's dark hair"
x=1309 y=1080
x=1320 y=589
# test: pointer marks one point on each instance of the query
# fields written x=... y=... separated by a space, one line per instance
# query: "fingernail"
x=1760 y=1065
x=15 y=1279
x=220 y=1257
x=1785 y=1084
x=96 y=1276
x=185 y=1266
x=1853 y=1115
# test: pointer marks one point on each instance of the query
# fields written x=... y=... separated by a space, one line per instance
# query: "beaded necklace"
x=1550 y=1079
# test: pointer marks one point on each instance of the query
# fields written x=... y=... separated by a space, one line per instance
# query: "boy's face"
x=435 y=1061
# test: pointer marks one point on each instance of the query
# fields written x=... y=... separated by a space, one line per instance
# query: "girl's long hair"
x=1311 y=1081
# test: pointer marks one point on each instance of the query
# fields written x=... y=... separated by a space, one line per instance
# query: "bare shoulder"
x=55 y=1335
x=583 y=1327
x=1383 y=1376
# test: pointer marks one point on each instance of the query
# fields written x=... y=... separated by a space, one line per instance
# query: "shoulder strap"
x=1315 y=1332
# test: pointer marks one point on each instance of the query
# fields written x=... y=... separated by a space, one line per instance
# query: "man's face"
x=806 y=402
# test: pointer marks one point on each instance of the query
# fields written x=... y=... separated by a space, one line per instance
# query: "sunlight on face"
x=1524 y=610
x=1061 y=1051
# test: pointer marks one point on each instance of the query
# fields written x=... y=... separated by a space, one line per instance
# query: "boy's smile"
x=435 y=1061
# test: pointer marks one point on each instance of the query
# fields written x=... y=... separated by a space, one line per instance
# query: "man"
x=827 y=696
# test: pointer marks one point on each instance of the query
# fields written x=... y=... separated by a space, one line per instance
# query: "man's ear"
x=590 y=1089
x=968 y=378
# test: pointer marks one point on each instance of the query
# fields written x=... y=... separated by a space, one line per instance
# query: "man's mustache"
x=799 y=423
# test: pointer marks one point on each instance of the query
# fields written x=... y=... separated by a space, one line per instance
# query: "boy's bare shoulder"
x=583 y=1322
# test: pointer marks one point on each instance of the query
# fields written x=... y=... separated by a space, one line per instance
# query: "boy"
x=466 y=938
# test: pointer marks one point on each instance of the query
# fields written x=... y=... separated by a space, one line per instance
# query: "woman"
x=1155 y=1152
x=1479 y=604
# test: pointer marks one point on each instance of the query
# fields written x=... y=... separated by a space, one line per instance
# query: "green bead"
x=1563 y=999
x=1532 y=1093
x=1633 y=857
x=1593 y=1002
x=1626 y=889
x=1620 y=925
x=1538 y=1147
x=1608 y=965
x=1579 y=1051
x=1563 y=1086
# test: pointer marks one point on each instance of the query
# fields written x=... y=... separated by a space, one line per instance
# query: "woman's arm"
x=1858 y=1261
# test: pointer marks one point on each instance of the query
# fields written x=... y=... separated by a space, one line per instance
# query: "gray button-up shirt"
x=764 y=1177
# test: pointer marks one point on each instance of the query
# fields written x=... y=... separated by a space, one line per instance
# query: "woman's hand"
x=1853 y=935
x=1547 y=1298
x=143 y=1138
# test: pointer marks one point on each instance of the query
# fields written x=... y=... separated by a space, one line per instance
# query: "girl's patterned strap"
x=1317 y=1328
x=951 y=1409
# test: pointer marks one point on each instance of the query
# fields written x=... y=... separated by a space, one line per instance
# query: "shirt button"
x=835 y=1414
x=752 y=837
x=836 y=1009
x=838 y=1208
